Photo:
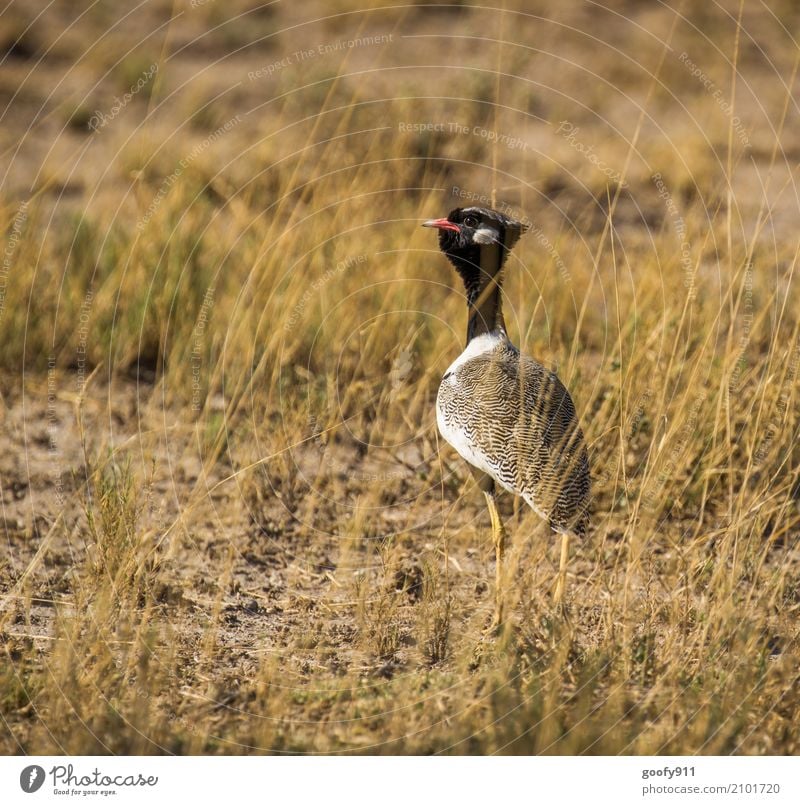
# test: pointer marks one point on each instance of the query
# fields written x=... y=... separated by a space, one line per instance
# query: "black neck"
x=481 y=270
x=485 y=292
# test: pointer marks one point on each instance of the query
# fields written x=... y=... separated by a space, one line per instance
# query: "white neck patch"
x=486 y=235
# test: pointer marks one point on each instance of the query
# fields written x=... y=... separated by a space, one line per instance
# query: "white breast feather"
x=456 y=437
x=451 y=433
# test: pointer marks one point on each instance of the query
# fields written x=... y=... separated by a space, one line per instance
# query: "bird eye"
x=471 y=221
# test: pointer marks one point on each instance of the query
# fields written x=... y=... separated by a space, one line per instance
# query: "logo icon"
x=31 y=779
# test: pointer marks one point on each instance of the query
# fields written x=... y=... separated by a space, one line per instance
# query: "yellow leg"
x=499 y=539
x=561 y=583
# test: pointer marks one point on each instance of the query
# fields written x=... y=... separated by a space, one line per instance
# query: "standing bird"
x=504 y=413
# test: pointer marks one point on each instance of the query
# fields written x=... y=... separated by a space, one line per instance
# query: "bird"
x=510 y=418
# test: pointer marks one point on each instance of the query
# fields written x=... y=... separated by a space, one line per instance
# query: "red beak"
x=442 y=223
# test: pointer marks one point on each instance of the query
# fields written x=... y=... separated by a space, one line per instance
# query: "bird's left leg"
x=499 y=539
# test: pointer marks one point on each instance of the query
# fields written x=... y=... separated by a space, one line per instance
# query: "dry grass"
x=229 y=523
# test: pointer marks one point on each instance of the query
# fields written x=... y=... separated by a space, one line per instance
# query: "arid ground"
x=228 y=522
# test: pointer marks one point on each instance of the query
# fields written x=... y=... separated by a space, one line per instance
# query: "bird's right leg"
x=561 y=582
x=499 y=540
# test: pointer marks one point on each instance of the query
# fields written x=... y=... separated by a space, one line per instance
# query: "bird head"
x=476 y=240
